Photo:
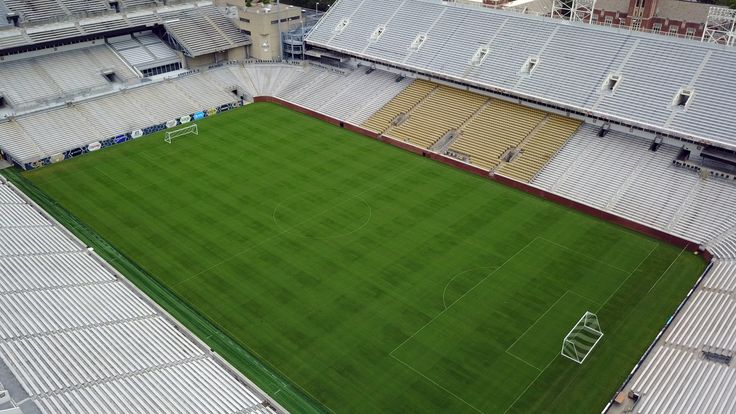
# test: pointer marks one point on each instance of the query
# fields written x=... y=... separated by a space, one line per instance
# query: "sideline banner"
x=94 y=146
x=137 y=133
x=185 y=119
x=172 y=123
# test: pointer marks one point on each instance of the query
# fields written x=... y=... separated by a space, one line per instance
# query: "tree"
x=729 y=3
x=248 y=3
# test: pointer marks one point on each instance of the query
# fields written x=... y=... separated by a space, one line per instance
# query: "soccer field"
x=375 y=280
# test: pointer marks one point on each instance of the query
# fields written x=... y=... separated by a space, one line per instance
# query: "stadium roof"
x=571 y=62
x=39 y=11
x=205 y=30
x=187 y=22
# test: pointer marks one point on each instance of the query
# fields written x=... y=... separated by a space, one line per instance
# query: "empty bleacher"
x=43 y=11
x=78 y=339
x=16 y=142
x=676 y=381
x=618 y=173
x=402 y=103
x=58 y=74
x=677 y=377
x=267 y=79
x=591 y=169
x=705 y=323
x=352 y=96
x=36 y=10
x=655 y=191
x=726 y=246
x=540 y=147
x=143 y=50
x=702 y=217
x=360 y=93
x=309 y=88
x=58 y=130
x=44 y=133
x=444 y=110
x=498 y=128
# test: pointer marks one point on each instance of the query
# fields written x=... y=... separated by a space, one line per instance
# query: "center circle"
x=322 y=214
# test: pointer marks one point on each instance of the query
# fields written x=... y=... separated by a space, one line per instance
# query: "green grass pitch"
x=376 y=280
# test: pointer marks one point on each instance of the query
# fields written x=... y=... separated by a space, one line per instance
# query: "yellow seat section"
x=497 y=128
x=542 y=146
x=402 y=103
x=444 y=110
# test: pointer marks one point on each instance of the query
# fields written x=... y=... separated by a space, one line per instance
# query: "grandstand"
x=538 y=148
x=519 y=98
x=404 y=102
x=486 y=138
x=77 y=338
x=424 y=128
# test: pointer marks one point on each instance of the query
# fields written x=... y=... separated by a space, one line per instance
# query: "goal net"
x=191 y=129
x=582 y=338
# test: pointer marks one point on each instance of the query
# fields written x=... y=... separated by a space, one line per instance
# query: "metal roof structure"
x=677 y=87
x=198 y=27
x=204 y=30
x=45 y=11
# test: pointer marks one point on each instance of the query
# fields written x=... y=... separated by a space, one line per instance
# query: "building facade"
x=668 y=17
x=264 y=24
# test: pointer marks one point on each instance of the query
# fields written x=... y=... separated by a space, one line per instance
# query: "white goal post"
x=582 y=338
x=189 y=129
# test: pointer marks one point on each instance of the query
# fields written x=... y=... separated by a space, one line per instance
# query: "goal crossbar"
x=189 y=129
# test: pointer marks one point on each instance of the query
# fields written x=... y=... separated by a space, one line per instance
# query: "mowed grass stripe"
x=327 y=301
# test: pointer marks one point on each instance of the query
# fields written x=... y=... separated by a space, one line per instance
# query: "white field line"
x=627 y=278
x=442 y=312
x=436 y=384
x=286 y=230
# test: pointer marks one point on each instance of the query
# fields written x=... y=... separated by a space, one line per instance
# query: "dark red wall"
x=658 y=234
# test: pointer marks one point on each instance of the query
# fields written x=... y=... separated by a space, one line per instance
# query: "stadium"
x=394 y=206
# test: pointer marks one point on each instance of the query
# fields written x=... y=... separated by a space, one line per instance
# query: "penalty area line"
x=518 y=397
x=666 y=270
x=537 y=321
x=627 y=278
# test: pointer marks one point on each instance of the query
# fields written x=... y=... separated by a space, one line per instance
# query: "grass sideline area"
x=369 y=279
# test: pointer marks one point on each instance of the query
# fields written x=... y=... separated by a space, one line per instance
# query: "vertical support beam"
x=574 y=10
x=720 y=27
